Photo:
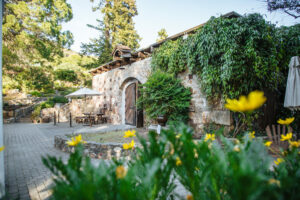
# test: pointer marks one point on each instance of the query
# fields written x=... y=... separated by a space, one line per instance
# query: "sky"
x=173 y=15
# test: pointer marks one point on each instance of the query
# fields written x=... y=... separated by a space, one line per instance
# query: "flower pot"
x=162 y=120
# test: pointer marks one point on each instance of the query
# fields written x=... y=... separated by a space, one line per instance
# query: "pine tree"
x=117 y=27
x=162 y=34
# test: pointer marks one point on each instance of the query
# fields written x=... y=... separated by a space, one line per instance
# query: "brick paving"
x=25 y=175
x=26 y=143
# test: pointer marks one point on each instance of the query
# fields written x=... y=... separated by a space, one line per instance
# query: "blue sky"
x=173 y=15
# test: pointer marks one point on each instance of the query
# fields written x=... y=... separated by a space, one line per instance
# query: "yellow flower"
x=178 y=136
x=278 y=161
x=236 y=148
x=294 y=143
x=195 y=153
x=252 y=134
x=129 y=134
x=268 y=143
x=274 y=181
x=178 y=161
x=284 y=153
x=2 y=148
x=75 y=141
x=209 y=136
x=129 y=145
x=189 y=197
x=236 y=141
x=121 y=172
x=287 y=121
x=254 y=100
x=288 y=137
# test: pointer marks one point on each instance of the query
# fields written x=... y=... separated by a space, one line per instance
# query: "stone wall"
x=94 y=150
x=203 y=112
x=112 y=85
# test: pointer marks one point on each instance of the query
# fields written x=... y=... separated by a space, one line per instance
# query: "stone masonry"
x=112 y=85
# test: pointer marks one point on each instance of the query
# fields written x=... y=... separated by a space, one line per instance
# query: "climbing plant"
x=232 y=56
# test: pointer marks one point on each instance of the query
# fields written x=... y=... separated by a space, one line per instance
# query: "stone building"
x=119 y=80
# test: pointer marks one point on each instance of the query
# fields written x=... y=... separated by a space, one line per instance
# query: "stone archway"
x=131 y=115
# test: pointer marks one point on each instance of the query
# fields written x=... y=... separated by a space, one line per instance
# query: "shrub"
x=163 y=94
x=36 y=94
x=66 y=75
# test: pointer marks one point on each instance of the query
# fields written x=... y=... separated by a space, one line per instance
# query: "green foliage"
x=34 y=78
x=36 y=94
x=233 y=56
x=235 y=170
x=162 y=34
x=66 y=75
x=164 y=95
x=170 y=57
x=48 y=104
x=288 y=173
x=32 y=31
x=117 y=27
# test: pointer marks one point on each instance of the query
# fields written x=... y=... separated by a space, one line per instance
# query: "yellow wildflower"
x=129 y=134
x=236 y=148
x=287 y=121
x=195 y=153
x=274 y=181
x=236 y=141
x=178 y=136
x=254 y=100
x=2 y=148
x=178 y=161
x=288 y=137
x=209 y=136
x=121 y=172
x=129 y=145
x=189 y=197
x=284 y=153
x=268 y=143
x=252 y=134
x=75 y=141
x=295 y=143
x=278 y=161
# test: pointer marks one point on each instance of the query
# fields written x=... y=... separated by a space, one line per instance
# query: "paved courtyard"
x=26 y=143
x=26 y=176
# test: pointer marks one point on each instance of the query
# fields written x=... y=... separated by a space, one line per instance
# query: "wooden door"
x=130 y=104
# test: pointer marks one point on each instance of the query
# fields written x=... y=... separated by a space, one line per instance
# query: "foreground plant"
x=245 y=105
x=214 y=168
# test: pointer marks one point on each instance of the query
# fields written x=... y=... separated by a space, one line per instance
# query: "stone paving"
x=26 y=176
x=26 y=143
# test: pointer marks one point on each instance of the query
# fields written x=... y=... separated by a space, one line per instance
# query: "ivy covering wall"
x=233 y=56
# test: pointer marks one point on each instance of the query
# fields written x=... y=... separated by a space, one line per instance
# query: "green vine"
x=232 y=56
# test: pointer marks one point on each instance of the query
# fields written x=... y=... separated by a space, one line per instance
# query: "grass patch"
x=113 y=136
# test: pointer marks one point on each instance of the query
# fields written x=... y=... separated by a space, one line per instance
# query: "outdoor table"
x=89 y=119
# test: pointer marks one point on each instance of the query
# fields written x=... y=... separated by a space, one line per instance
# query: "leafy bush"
x=36 y=94
x=237 y=170
x=66 y=75
x=47 y=104
x=163 y=94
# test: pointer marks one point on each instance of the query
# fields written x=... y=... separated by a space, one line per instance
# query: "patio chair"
x=101 y=117
x=274 y=135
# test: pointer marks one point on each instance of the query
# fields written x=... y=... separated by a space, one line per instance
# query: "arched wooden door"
x=130 y=104
x=132 y=115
